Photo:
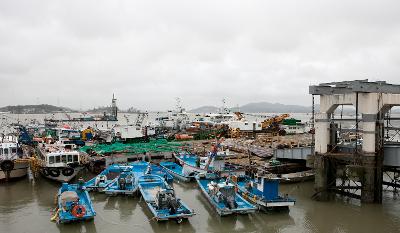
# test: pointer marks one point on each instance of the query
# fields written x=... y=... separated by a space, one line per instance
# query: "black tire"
x=7 y=165
x=45 y=171
x=68 y=171
x=54 y=172
x=73 y=165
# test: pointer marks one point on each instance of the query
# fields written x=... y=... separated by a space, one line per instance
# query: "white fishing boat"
x=59 y=161
x=13 y=162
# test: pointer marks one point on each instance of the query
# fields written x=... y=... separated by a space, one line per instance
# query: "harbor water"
x=26 y=206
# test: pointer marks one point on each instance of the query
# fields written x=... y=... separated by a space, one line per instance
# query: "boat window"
x=69 y=158
x=5 y=151
x=51 y=159
x=13 y=150
x=75 y=158
x=64 y=158
x=57 y=159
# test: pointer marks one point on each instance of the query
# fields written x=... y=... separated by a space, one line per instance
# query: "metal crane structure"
x=273 y=121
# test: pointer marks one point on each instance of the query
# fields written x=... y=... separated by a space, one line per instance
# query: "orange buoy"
x=78 y=211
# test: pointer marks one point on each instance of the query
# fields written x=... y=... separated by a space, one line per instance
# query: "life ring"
x=68 y=171
x=7 y=165
x=54 y=172
x=45 y=171
x=78 y=211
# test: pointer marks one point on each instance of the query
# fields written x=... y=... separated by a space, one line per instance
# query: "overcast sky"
x=77 y=53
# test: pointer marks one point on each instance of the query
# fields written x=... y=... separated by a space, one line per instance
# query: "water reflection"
x=87 y=227
x=25 y=207
x=15 y=195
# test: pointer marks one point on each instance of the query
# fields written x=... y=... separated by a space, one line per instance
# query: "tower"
x=114 y=107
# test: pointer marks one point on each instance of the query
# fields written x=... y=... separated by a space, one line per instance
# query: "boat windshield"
x=63 y=158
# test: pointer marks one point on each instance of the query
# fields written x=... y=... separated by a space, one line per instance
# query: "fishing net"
x=159 y=145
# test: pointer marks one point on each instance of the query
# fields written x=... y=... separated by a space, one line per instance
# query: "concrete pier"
x=364 y=164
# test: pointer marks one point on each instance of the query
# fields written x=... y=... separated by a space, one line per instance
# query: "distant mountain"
x=276 y=107
x=35 y=109
x=259 y=107
x=205 y=109
x=101 y=109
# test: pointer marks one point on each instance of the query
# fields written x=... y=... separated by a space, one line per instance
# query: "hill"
x=205 y=109
x=34 y=109
x=258 y=107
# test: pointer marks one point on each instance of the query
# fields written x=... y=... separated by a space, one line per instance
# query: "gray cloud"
x=78 y=53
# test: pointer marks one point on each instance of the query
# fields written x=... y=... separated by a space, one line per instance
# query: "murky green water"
x=25 y=206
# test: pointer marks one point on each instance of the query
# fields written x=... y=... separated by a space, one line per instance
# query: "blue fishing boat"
x=177 y=171
x=159 y=171
x=161 y=200
x=106 y=177
x=141 y=167
x=125 y=183
x=215 y=161
x=73 y=204
x=264 y=192
x=222 y=195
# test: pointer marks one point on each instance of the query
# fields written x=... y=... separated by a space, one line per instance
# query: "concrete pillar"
x=368 y=180
x=321 y=178
x=369 y=131
x=369 y=106
x=322 y=132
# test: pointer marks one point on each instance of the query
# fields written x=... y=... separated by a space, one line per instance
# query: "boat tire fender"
x=54 y=172
x=7 y=165
x=45 y=171
x=68 y=171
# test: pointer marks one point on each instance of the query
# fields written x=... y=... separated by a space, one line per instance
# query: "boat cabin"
x=8 y=150
x=62 y=158
x=60 y=154
x=267 y=186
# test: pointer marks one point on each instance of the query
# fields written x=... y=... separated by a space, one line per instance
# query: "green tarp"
x=160 y=145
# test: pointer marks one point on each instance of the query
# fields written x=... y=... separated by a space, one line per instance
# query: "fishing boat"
x=125 y=183
x=177 y=171
x=13 y=161
x=142 y=167
x=105 y=178
x=59 y=161
x=160 y=171
x=222 y=195
x=161 y=200
x=263 y=191
x=73 y=204
x=192 y=163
